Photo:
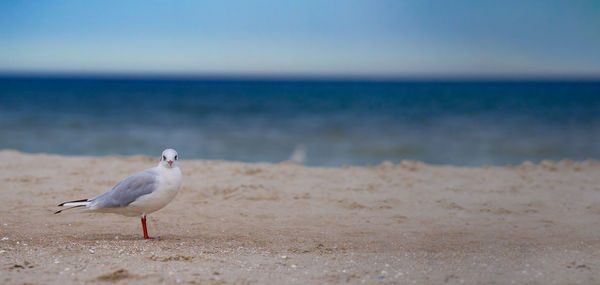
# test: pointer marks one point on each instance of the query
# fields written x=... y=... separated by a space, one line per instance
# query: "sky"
x=370 y=38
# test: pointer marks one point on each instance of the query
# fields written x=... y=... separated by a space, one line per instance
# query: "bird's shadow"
x=127 y=237
x=108 y=237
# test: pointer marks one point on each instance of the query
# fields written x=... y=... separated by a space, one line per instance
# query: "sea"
x=329 y=123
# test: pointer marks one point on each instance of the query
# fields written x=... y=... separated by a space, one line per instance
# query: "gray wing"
x=128 y=190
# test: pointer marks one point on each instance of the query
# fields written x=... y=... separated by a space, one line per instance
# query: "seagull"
x=140 y=194
x=298 y=156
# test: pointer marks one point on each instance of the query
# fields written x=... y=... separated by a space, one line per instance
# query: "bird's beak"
x=170 y=162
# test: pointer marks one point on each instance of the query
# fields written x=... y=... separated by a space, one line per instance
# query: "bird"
x=139 y=194
x=298 y=156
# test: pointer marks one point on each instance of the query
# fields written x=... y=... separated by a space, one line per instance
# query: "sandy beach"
x=239 y=223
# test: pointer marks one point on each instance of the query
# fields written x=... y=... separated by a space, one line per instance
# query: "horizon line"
x=171 y=76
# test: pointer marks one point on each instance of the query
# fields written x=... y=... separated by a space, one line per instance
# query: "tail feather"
x=73 y=204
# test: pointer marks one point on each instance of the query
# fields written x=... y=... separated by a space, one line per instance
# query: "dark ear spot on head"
x=175 y=157
x=164 y=158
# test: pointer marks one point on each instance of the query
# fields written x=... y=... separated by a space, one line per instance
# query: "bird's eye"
x=164 y=158
x=175 y=157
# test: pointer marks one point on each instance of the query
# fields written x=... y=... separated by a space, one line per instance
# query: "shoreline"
x=525 y=163
x=236 y=222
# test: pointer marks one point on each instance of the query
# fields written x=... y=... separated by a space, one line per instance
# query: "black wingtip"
x=63 y=203
x=69 y=208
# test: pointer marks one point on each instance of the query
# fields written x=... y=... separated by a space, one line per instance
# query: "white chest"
x=169 y=179
x=169 y=182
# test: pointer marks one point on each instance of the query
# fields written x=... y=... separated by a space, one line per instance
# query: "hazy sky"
x=304 y=37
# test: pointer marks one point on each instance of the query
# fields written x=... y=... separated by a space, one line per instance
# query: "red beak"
x=170 y=162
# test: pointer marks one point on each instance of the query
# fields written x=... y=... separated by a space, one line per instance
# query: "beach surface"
x=240 y=223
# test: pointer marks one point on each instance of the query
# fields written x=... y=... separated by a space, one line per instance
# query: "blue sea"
x=336 y=122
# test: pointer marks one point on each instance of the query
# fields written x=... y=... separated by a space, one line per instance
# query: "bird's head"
x=169 y=158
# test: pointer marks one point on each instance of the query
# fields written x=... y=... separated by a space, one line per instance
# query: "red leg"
x=145 y=229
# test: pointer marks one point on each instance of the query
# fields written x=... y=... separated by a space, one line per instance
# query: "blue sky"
x=420 y=38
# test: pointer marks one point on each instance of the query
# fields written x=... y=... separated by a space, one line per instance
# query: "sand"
x=284 y=223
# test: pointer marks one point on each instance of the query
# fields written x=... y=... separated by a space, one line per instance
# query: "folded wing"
x=127 y=191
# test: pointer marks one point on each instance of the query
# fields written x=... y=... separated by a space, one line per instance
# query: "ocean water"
x=337 y=123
